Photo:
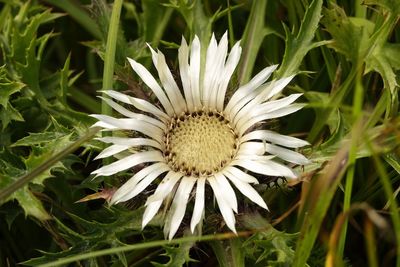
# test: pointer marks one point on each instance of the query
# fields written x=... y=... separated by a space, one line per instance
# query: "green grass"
x=56 y=57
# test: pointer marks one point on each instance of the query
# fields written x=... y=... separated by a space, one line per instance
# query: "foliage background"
x=57 y=55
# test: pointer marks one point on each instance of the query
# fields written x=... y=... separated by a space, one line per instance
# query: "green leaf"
x=8 y=114
x=297 y=46
x=350 y=39
x=362 y=41
x=93 y=235
x=23 y=48
x=42 y=149
x=178 y=255
x=38 y=138
x=8 y=88
x=268 y=247
x=43 y=153
x=31 y=205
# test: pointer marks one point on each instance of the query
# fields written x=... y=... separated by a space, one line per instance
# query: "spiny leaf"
x=360 y=40
x=38 y=138
x=268 y=247
x=178 y=255
x=297 y=46
x=8 y=88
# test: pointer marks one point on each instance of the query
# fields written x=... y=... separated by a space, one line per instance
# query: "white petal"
x=131 y=142
x=128 y=186
x=179 y=204
x=209 y=73
x=244 y=177
x=129 y=124
x=105 y=126
x=224 y=207
x=198 y=204
x=269 y=167
x=254 y=157
x=129 y=162
x=227 y=193
x=143 y=183
x=265 y=108
x=230 y=67
x=183 y=56
x=263 y=95
x=277 y=87
x=168 y=82
x=154 y=202
x=274 y=138
x=138 y=103
x=280 y=103
x=247 y=190
x=252 y=85
x=255 y=148
x=149 y=80
x=194 y=71
x=286 y=154
x=133 y=115
x=251 y=121
x=218 y=69
x=111 y=150
x=165 y=187
x=242 y=103
x=150 y=212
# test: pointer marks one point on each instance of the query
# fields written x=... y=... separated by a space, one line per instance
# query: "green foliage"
x=297 y=45
x=268 y=247
x=56 y=55
x=8 y=88
x=361 y=40
x=178 y=255
x=93 y=235
x=33 y=108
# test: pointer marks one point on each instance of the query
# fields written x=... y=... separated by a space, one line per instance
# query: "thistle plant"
x=199 y=133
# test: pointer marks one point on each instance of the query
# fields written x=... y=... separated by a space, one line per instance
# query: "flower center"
x=199 y=143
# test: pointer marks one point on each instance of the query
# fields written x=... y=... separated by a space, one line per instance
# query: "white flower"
x=196 y=138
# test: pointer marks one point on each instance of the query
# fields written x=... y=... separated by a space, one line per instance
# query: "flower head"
x=197 y=138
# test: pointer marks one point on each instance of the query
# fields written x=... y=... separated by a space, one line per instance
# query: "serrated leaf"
x=9 y=114
x=7 y=87
x=298 y=45
x=11 y=172
x=349 y=39
x=38 y=138
x=360 y=40
x=31 y=205
x=178 y=255
x=268 y=247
